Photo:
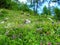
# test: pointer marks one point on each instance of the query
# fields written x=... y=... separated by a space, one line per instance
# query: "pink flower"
x=41 y=43
x=49 y=43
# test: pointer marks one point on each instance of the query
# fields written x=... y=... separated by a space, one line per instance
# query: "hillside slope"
x=23 y=28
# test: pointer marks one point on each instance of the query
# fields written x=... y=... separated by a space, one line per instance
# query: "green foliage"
x=14 y=6
x=3 y=13
x=57 y=13
x=24 y=7
x=46 y=11
x=4 y=40
x=9 y=4
x=40 y=31
x=5 y=3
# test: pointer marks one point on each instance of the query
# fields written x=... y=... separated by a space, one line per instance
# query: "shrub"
x=5 y=3
x=14 y=6
x=4 y=40
x=3 y=13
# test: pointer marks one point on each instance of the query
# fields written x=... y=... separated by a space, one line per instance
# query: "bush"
x=8 y=4
x=4 y=40
x=14 y=6
x=5 y=3
x=3 y=13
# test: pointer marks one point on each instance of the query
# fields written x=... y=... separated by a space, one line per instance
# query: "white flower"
x=50 y=19
x=8 y=25
x=2 y=22
x=27 y=21
x=6 y=18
